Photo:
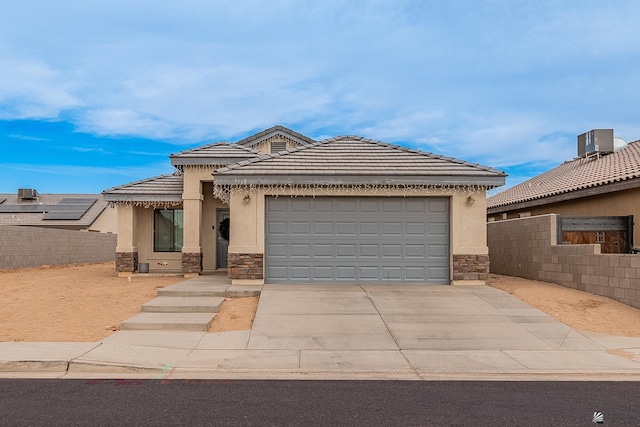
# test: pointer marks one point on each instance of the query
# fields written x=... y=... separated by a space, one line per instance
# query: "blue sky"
x=98 y=93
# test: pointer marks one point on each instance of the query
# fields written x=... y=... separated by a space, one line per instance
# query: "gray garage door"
x=357 y=240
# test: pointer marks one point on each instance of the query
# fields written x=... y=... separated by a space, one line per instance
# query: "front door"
x=222 y=238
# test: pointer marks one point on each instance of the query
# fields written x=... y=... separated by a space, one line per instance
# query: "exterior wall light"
x=470 y=200
x=246 y=199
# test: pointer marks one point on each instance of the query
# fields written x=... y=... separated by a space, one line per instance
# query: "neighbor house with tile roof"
x=280 y=207
x=599 y=184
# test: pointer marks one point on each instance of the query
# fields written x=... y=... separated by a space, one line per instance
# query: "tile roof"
x=218 y=153
x=353 y=159
x=52 y=210
x=158 y=188
x=574 y=175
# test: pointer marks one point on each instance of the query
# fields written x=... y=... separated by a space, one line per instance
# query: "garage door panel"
x=346 y=250
x=438 y=273
x=277 y=272
x=323 y=273
x=369 y=273
x=300 y=272
x=391 y=229
x=323 y=250
x=300 y=250
x=392 y=205
x=277 y=250
x=414 y=273
x=438 y=229
x=392 y=251
x=369 y=228
x=370 y=251
x=346 y=228
x=300 y=228
x=346 y=273
x=357 y=240
x=438 y=251
x=346 y=204
x=322 y=228
x=414 y=229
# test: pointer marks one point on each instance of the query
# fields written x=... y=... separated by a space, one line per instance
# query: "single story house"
x=595 y=184
x=280 y=207
x=84 y=212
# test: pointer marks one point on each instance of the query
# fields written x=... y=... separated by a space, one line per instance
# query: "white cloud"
x=30 y=88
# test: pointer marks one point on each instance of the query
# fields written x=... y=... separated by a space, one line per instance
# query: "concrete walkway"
x=347 y=332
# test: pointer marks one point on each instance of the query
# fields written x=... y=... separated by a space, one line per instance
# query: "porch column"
x=126 y=247
x=192 y=248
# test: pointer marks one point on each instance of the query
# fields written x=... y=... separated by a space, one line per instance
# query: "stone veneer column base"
x=245 y=266
x=191 y=263
x=126 y=262
x=470 y=267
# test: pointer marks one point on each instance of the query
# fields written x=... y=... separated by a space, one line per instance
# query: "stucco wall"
x=33 y=246
x=527 y=248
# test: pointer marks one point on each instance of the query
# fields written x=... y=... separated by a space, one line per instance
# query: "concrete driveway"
x=368 y=332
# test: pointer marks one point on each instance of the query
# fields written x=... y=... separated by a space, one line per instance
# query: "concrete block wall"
x=527 y=248
x=22 y=247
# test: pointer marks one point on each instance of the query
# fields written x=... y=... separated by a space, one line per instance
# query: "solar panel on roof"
x=66 y=215
x=21 y=208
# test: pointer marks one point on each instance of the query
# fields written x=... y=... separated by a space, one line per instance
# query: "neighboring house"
x=86 y=212
x=596 y=184
x=279 y=207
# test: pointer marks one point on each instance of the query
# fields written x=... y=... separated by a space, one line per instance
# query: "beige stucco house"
x=280 y=207
x=593 y=185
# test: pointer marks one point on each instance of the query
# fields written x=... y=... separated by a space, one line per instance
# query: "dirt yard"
x=88 y=302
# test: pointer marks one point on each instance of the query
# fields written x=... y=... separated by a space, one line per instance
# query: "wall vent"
x=27 y=193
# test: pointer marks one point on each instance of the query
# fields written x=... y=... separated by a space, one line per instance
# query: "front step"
x=164 y=304
x=194 y=322
x=186 y=289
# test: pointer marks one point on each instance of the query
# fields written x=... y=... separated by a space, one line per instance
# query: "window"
x=167 y=230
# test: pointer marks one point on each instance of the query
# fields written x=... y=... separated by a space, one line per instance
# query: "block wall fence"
x=527 y=248
x=22 y=247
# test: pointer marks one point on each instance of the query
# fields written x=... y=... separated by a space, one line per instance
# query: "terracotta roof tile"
x=575 y=175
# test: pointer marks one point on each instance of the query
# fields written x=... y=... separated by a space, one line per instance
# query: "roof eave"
x=142 y=197
x=231 y=179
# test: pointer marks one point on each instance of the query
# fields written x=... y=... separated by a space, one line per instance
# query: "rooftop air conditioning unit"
x=595 y=141
x=27 y=193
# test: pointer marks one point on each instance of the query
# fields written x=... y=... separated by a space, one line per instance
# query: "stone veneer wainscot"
x=470 y=267
x=245 y=266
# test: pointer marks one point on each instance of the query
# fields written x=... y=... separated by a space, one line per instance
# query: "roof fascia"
x=231 y=179
x=564 y=197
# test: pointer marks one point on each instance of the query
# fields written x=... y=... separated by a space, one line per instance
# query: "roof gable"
x=276 y=133
x=353 y=159
x=573 y=176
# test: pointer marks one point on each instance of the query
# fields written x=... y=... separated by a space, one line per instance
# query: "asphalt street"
x=309 y=403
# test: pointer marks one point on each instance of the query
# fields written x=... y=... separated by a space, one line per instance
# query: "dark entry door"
x=222 y=238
